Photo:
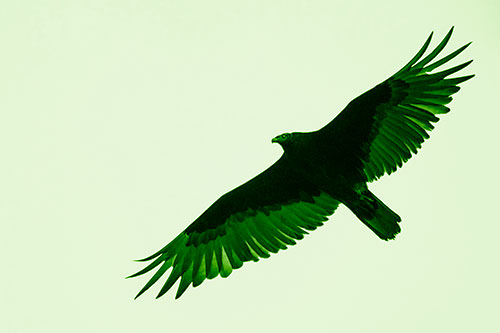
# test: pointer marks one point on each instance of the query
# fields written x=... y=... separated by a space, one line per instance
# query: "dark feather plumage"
x=374 y=135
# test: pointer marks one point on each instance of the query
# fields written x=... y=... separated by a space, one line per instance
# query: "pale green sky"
x=121 y=121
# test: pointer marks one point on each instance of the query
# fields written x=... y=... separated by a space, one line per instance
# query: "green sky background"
x=121 y=121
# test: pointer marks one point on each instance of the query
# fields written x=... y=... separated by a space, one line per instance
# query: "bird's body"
x=374 y=135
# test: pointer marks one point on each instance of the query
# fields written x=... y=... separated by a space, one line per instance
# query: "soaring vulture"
x=374 y=135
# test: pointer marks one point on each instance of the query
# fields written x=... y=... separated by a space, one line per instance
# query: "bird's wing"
x=266 y=214
x=380 y=130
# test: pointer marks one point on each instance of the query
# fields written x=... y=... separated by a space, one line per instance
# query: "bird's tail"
x=376 y=215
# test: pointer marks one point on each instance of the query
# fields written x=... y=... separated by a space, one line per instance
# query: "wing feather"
x=385 y=126
x=260 y=222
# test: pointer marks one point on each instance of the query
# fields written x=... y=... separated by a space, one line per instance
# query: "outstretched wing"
x=380 y=130
x=262 y=216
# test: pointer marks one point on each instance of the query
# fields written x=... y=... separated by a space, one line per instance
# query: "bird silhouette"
x=374 y=135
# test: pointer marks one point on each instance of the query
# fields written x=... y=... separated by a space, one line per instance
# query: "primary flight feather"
x=374 y=135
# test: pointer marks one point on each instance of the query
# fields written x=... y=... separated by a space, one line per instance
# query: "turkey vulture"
x=372 y=136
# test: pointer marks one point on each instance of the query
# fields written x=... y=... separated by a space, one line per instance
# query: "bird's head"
x=283 y=139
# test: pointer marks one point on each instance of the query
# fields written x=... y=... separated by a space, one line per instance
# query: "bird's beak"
x=274 y=140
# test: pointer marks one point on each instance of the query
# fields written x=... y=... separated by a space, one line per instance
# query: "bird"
x=372 y=136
